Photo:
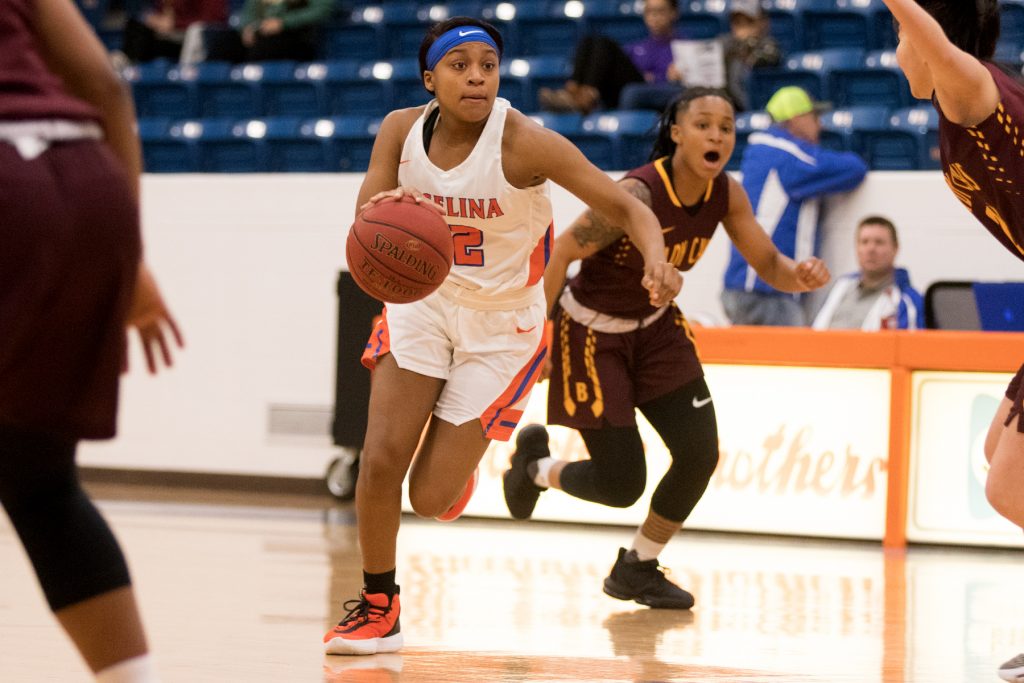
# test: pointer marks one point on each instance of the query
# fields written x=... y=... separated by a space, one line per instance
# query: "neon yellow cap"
x=792 y=101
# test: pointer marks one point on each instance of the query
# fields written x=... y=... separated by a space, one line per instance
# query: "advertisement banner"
x=951 y=415
x=803 y=451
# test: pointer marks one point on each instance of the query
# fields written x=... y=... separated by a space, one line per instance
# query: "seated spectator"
x=160 y=31
x=785 y=173
x=602 y=68
x=274 y=30
x=747 y=46
x=879 y=295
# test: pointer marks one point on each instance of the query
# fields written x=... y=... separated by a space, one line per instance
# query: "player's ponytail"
x=663 y=144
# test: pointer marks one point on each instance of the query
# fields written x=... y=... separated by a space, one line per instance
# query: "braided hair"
x=663 y=145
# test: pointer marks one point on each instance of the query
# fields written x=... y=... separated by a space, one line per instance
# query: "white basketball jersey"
x=502 y=234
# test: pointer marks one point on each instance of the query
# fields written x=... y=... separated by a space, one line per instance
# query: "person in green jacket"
x=283 y=29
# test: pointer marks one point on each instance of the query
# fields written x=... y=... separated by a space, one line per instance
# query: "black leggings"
x=600 y=62
x=73 y=552
x=616 y=473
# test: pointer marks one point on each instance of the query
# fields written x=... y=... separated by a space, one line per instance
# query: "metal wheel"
x=342 y=474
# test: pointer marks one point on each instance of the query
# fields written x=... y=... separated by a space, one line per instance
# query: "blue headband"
x=456 y=36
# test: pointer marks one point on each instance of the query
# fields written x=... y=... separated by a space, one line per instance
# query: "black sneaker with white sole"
x=644 y=582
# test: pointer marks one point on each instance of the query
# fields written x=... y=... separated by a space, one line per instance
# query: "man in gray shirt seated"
x=879 y=295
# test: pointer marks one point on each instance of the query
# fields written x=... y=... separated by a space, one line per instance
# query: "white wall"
x=249 y=262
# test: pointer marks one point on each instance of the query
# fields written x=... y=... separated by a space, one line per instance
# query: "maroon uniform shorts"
x=69 y=254
x=1015 y=392
x=599 y=379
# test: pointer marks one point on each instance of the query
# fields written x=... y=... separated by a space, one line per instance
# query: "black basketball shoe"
x=521 y=493
x=645 y=583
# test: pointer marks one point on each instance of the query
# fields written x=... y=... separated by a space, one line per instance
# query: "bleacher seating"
x=322 y=116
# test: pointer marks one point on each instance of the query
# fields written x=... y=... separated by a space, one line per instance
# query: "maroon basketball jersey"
x=984 y=165
x=609 y=281
x=28 y=90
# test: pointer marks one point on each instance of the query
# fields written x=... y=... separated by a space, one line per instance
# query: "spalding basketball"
x=399 y=251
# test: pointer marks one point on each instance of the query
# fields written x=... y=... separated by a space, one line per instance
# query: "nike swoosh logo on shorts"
x=701 y=403
x=520 y=330
x=463 y=34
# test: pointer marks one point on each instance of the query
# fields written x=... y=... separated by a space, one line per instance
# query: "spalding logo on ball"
x=399 y=251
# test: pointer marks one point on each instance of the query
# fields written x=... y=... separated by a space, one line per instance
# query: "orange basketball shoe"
x=371 y=626
x=455 y=511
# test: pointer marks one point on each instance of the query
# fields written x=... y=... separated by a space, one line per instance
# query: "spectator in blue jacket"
x=878 y=296
x=785 y=173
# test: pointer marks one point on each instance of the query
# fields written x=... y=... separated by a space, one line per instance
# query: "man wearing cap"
x=748 y=45
x=785 y=172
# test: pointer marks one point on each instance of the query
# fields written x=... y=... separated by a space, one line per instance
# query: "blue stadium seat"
x=350 y=138
x=293 y=90
x=1011 y=16
x=291 y=145
x=406 y=83
x=170 y=149
x=404 y=25
x=502 y=14
x=922 y=121
x=363 y=42
x=808 y=70
x=548 y=29
x=885 y=147
x=618 y=20
x=703 y=19
x=626 y=138
x=785 y=19
x=849 y=23
x=879 y=82
x=353 y=88
x=843 y=129
x=563 y=123
x=160 y=152
x=159 y=90
x=224 y=90
x=228 y=146
x=747 y=122
x=536 y=73
x=636 y=135
x=1009 y=53
x=515 y=86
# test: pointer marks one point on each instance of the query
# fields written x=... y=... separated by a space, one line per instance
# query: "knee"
x=380 y=468
x=1004 y=499
x=429 y=502
x=621 y=493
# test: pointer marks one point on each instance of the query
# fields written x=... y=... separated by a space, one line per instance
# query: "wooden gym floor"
x=241 y=588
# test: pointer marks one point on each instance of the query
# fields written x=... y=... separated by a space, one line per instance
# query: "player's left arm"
x=774 y=267
x=555 y=158
x=965 y=89
x=588 y=234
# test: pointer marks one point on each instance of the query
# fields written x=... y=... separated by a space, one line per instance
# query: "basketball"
x=399 y=251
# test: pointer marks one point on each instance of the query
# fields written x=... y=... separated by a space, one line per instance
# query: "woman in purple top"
x=602 y=68
x=945 y=50
x=71 y=278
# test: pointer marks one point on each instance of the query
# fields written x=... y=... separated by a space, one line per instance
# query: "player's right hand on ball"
x=396 y=195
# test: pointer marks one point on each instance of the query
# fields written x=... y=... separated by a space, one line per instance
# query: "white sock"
x=645 y=548
x=139 y=669
x=544 y=466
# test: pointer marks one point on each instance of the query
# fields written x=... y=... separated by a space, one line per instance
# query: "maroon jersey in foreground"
x=984 y=165
x=609 y=281
x=28 y=90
